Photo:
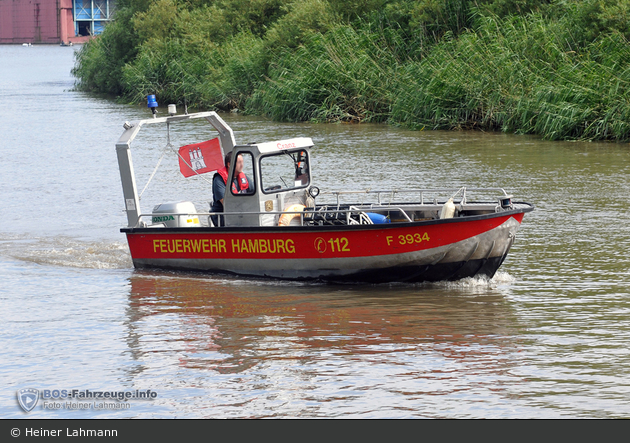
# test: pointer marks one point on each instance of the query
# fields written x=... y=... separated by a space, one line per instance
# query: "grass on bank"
x=523 y=75
x=533 y=73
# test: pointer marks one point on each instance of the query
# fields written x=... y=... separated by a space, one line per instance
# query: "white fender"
x=285 y=219
x=448 y=210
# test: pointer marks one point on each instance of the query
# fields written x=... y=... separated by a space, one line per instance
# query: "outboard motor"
x=175 y=215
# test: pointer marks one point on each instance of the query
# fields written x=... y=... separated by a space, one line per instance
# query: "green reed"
x=342 y=75
x=536 y=74
x=203 y=74
x=524 y=75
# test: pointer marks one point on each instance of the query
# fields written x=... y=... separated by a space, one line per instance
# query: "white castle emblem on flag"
x=196 y=159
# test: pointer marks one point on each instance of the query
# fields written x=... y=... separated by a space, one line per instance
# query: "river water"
x=548 y=337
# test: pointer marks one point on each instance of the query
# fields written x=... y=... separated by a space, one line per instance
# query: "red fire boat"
x=283 y=227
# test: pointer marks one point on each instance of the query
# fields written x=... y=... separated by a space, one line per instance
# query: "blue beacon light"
x=152 y=103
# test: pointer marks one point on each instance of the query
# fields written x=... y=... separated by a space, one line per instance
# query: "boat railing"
x=357 y=213
x=307 y=213
x=352 y=215
x=386 y=197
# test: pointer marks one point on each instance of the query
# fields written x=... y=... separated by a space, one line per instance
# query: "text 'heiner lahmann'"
x=31 y=432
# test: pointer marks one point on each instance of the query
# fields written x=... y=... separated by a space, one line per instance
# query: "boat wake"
x=65 y=251
x=478 y=282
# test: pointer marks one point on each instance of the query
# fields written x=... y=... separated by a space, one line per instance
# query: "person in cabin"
x=241 y=184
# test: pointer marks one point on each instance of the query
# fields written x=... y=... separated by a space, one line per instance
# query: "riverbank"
x=557 y=69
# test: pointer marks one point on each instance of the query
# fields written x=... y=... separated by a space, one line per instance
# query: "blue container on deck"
x=377 y=219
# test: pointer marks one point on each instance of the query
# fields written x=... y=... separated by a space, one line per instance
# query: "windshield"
x=283 y=171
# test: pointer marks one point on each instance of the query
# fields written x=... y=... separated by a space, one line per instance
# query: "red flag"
x=200 y=158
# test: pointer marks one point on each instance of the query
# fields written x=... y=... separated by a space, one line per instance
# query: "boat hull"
x=398 y=252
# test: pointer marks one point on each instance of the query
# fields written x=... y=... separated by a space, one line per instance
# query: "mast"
x=125 y=163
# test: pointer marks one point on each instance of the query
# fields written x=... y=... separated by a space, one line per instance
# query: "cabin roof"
x=292 y=143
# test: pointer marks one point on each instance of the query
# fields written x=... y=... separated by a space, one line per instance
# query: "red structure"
x=49 y=21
